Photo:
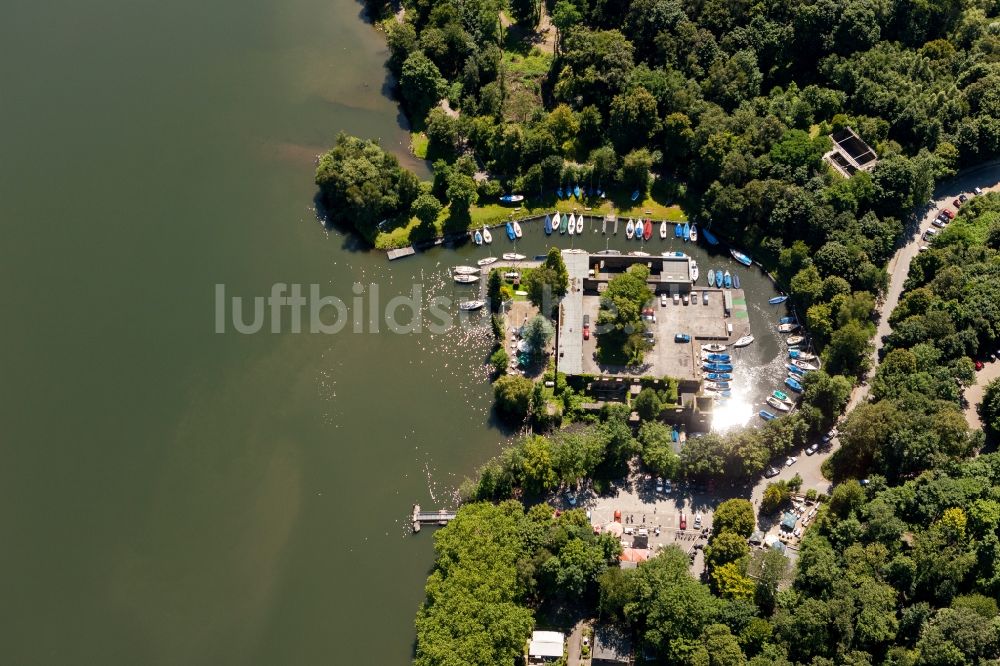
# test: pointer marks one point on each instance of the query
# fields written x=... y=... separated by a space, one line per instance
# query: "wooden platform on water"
x=401 y=252
x=441 y=517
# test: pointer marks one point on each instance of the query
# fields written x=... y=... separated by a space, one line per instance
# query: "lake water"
x=168 y=494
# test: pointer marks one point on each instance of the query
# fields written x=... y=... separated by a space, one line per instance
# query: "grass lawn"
x=654 y=206
x=418 y=144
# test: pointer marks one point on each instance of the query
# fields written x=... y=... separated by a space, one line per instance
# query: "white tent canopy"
x=546 y=644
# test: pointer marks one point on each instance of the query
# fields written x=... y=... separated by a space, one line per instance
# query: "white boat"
x=487 y=236
x=694 y=271
x=486 y=261
x=572 y=224
x=638 y=253
x=802 y=364
x=556 y=222
x=663 y=230
x=715 y=349
x=795 y=340
x=745 y=341
x=629 y=229
x=466 y=279
x=787 y=328
x=694 y=233
x=517 y=229
x=513 y=256
x=778 y=404
x=471 y=305
x=579 y=224
x=465 y=270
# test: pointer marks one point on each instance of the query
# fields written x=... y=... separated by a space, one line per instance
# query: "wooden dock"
x=441 y=517
x=401 y=252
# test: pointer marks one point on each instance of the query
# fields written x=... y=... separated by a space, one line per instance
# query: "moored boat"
x=576 y=191
x=635 y=195
x=709 y=237
x=663 y=229
x=638 y=253
x=548 y=225
x=718 y=278
x=647 y=230
x=564 y=224
x=728 y=279
x=560 y=193
x=465 y=279
x=801 y=355
x=486 y=261
x=719 y=357
x=711 y=278
x=471 y=305
x=678 y=230
x=487 y=236
x=745 y=341
x=465 y=270
x=517 y=229
x=572 y=224
x=786 y=320
x=512 y=198
x=478 y=237
x=794 y=370
x=694 y=233
x=780 y=395
x=694 y=271
x=808 y=367
x=719 y=386
x=718 y=367
x=777 y=404
x=736 y=281
x=740 y=257
x=766 y=415
x=793 y=384
x=777 y=300
x=510 y=231
x=579 y=224
x=629 y=229
x=713 y=348
x=794 y=340
x=513 y=256
x=720 y=376
x=686 y=232
x=787 y=328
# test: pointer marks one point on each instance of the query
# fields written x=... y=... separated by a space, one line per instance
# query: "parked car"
x=663 y=300
x=929 y=234
x=791 y=461
x=772 y=471
x=813 y=448
x=949 y=213
x=978 y=191
x=956 y=203
x=704 y=298
x=667 y=487
x=938 y=222
x=684 y=521
x=586 y=327
x=963 y=198
x=697 y=521
x=979 y=365
x=682 y=337
x=923 y=248
x=659 y=484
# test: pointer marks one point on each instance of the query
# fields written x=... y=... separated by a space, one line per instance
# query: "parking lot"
x=703 y=322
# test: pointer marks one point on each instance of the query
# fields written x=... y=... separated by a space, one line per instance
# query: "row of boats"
x=718 y=278
x=718 y=366
x=800 y=363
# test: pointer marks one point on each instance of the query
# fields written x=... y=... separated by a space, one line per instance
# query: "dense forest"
x=724 y=107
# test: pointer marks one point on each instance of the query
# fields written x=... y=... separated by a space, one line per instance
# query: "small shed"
x=611 y=646
x=545 y=646
x=788 y=521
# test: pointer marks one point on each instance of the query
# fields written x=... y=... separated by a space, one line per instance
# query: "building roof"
x=546 y=644
x=611 y=645
x=788 y=521
x=634 y=554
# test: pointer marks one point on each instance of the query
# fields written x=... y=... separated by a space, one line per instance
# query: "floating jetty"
x=441 y=517
x=401 y=252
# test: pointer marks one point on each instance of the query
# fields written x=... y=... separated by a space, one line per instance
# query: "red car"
x=956 y=203
x=684 y=522
x=950 y=214
x=586 y=331
x=979 y=365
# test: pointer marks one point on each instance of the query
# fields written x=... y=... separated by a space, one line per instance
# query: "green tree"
x=636 y=169
x=726 y=547
x=849 y=351
x=647 y=404
x=493 y=284
x=461 y=192
x=734 y=515
x=525 y=12
x=657 y=449
x=729 y=582
x=989 y=409
x=513 y=396
x=537 y=334
x=426 y=208
x=633 y=119
x=421 y=84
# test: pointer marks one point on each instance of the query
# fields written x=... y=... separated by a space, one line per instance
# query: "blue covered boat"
x=718 y=367
x=709 y=237
x=510 y=231
x=719 y=357
x=729 y=279
x=478 y=237
x=678 y=230
x=635 y=195
x=559 y=193
x=793 y=384
x=796 y=370
x=720 y=376
x=740 y=257
x=548 y=225
x=576 y=191
x=778 y=300
x=766 y=415
x=722 y=386
x=686 y=231
x=787 y=320
x=718 y=279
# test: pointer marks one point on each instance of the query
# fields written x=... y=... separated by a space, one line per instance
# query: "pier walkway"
x=441 y=517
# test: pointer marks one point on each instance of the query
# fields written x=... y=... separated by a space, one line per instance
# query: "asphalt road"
x=987 y=177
